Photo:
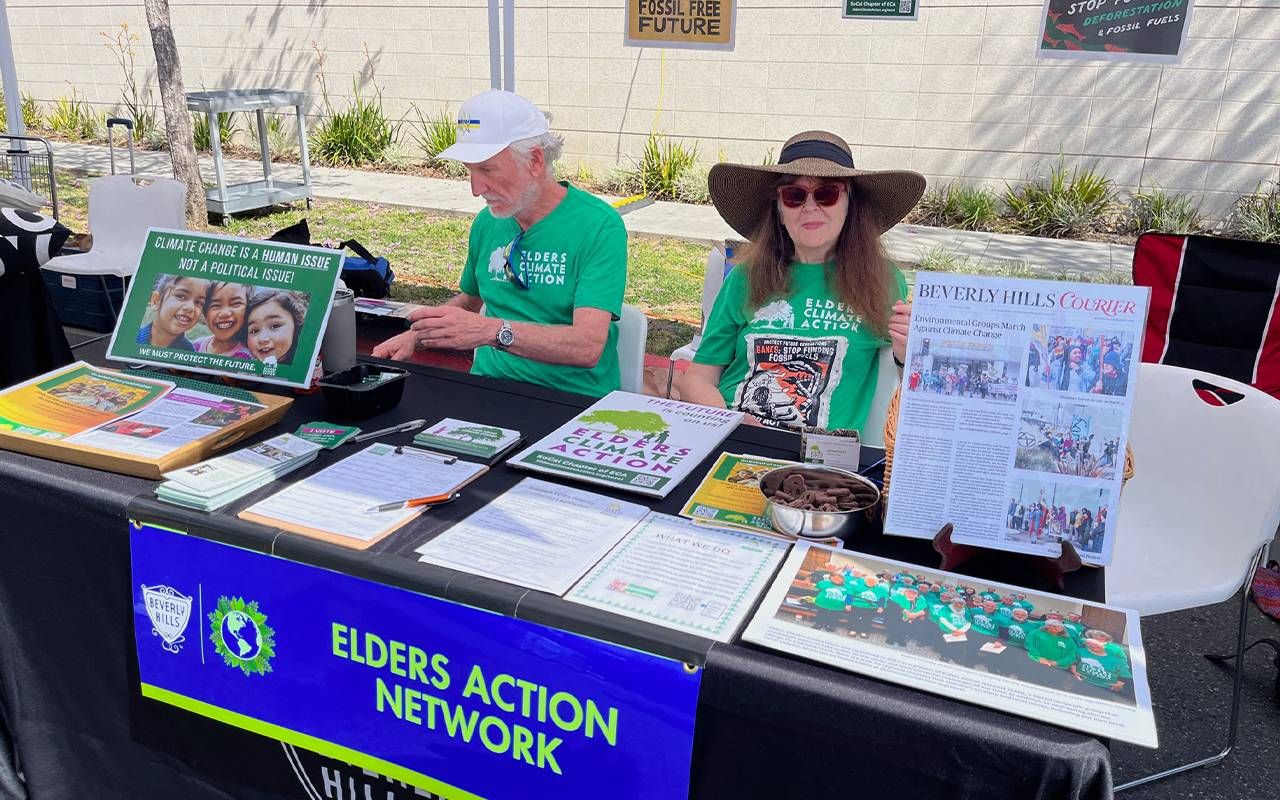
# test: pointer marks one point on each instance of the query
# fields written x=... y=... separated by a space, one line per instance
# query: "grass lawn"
x=427 y=251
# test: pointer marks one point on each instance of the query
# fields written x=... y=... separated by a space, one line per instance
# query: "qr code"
x=683 y=601
x=644 y=480
x=713 y=610
x=704 y=511
x=904 y=6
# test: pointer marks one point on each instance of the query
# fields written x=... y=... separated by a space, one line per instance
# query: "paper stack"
x=212 y=484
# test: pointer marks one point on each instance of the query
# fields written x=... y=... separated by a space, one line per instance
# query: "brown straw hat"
x=742 y=192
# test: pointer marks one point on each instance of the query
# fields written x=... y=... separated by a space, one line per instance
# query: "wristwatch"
x=506 y=337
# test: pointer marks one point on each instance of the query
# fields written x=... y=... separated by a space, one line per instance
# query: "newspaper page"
x=1051 y=658
x=1014 y=412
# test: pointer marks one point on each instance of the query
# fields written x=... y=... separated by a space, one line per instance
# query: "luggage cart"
x=127 y=124
x=28 y=160
x=224 y=199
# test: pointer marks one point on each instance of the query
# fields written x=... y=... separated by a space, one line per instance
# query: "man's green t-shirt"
x=1061 y=650
x=1103 y=670
x=803 y=359
x=829 y=596
x=986 y=624
x=575 y=257
x=1016 y=632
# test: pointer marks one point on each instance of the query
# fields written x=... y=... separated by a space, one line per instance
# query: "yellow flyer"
x=75 y=399
x=729 y=496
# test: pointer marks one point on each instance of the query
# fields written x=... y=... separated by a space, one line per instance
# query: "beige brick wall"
x=956 y=95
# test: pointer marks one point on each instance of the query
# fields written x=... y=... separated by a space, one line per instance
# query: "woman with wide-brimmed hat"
x=794 y=336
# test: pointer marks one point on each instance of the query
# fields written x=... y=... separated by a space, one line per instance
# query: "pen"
x=411 y=425
x=433 y=500
x=431 y=454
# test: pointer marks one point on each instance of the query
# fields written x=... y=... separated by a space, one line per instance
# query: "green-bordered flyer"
x=227 y=306
x=729 y=496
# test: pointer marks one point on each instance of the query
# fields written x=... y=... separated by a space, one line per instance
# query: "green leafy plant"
x=357 y=135
x=691 y=186
x=662 y=163
x=433 y=135
x=72 y=118
x=32 y=116
x=1257 y=216
x=622 y=180
x=136 y=102
x=970 y=208
x=579 y=174
x=228 y=127
x=1069 y=205
x=280 y=133
x=1166 y=212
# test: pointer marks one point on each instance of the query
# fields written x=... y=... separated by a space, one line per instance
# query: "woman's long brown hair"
x=858 y=271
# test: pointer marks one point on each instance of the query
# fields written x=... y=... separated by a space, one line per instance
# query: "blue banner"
x=461 y=702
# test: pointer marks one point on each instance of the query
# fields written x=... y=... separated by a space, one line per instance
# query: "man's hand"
x=398 y=348
x=899 y=325
x=453 y=328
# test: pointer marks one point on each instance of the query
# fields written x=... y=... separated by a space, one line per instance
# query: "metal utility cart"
x=269 y=191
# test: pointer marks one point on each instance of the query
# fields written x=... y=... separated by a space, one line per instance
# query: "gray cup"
x=338 y=349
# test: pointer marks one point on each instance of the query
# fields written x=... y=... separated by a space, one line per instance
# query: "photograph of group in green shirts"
x=1045 y=640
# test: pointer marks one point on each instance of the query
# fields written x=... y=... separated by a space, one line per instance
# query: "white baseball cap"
x=489 y=122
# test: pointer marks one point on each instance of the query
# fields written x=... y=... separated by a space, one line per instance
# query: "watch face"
x=506 y=336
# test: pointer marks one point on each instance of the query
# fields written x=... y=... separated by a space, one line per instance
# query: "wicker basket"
x=891 y=432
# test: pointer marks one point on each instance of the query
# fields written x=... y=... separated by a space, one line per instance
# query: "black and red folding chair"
x=1213 y=305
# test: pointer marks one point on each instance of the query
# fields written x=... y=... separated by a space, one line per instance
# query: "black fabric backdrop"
x=768 y=725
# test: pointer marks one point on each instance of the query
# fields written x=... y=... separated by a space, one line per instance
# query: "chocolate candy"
x=817 y=490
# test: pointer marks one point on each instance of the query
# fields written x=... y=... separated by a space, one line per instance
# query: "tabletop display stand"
x=269 y=191
x=1053 y=570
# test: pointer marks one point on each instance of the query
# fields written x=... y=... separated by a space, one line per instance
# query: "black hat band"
x=815 y=148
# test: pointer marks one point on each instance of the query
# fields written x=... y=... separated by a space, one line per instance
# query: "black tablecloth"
x=768 y=726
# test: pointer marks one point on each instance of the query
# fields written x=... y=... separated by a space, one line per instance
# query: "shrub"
x=228 y=126
x=360 y=134
x=579 y=174
x=1257 y=216
x=1069 y=206
x=280 y=135
x=691 y=186
x=661 y=165
x=434 y=134
x=136 y=102
x=622 y=181
x=970 y=208
x=72 y=118
x=1166 y=212
x=32 y=116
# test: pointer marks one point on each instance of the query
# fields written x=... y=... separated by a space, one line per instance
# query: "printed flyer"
x=1151 y=31
x=1014 y=412
x=179 y=418
x=633 y=442
x=673 y=573
x=1053 y=659
x=226 y=306
x=729 y=496
x=75 y=399
x=468 y=438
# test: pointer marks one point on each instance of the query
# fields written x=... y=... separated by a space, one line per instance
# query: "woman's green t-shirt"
x=804 y=359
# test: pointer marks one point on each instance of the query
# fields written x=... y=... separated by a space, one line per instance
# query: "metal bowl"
x=813 y=524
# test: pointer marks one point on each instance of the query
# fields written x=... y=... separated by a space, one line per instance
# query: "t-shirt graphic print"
x=791 y=379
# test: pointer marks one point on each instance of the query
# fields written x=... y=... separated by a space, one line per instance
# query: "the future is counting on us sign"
x=458 y=701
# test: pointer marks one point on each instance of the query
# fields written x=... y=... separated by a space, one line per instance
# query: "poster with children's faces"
x=227 y=306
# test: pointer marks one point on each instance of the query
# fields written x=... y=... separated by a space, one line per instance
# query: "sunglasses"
x=515 y=269
x=793 y=196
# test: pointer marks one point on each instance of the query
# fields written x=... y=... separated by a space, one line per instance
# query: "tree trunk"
x=177 y=120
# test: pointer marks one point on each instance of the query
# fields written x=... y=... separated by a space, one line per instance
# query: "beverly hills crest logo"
x=240 y=634
x=169 y=611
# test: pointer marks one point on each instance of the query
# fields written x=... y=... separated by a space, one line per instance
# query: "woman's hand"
x=899 y=325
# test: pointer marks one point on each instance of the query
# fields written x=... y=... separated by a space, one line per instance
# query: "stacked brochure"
x=212 y=484
x=488 y=442
x=633 y=442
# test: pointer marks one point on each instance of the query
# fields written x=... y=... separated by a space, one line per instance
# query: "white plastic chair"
x=888 y=378
x=712 y=280
x=1202 y=505
x=633 y=330
x=121 y=209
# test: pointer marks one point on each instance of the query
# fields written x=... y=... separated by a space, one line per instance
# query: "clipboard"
x=153 y=468
x=354 y=542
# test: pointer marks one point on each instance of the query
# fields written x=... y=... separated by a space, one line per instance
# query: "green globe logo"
x=240 y=634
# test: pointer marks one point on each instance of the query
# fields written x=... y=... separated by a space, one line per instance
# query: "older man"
x=546 y=262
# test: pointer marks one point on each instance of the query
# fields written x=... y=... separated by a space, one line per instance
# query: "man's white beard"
x=526 y=199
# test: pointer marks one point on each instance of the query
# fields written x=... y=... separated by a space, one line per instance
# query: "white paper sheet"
x=537 y=534
x=335 y=498
x=177 y=419
x=217 y=475
x=673 y=573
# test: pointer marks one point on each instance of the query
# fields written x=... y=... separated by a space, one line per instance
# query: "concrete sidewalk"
x=906 y=244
